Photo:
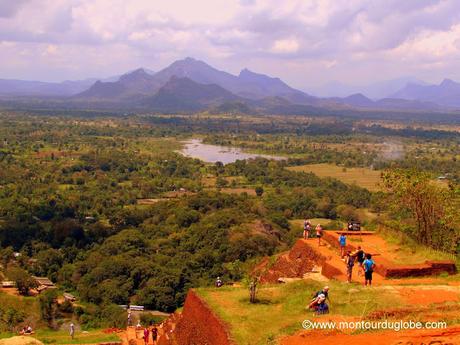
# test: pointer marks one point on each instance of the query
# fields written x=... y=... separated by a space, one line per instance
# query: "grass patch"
x=413 y=252
x=94 y=336
x=281 y=308
x=362 y=177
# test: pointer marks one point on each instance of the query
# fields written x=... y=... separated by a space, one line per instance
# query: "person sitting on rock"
x=319 y=305
x=324 y=291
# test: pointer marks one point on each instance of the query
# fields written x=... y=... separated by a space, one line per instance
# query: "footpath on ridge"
x=307 y=256
x=198 y=323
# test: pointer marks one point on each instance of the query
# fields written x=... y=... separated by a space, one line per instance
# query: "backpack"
x=350 y=261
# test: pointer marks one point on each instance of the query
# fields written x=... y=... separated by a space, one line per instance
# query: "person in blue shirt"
x=342 y=243
x=368 y=266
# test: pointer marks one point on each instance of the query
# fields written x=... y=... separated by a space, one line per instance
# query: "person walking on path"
x=154 y=334
x=360 y=257
x=146 y=335
x=350 y=262
x=129 y=318
x=72 y=330
x=306 y=229
x=369 y=266
x=342 y=243
x=319 y=233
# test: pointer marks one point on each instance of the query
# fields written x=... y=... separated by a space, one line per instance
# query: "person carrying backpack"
x=369 y=266
x=350 y=262
x=360 y=257
x=342 y=243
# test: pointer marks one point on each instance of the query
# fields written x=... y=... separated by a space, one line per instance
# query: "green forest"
x=108 y=209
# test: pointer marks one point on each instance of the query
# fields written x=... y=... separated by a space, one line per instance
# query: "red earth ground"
x=449 y=336
x=199 y=325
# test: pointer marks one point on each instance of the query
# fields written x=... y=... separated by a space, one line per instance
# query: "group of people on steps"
x=364 y=261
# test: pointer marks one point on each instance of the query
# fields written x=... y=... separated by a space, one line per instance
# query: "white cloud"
x=315 y=39
x=285 y=46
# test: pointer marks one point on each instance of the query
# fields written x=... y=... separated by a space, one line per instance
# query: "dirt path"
x=334 y=260
x=132 y=336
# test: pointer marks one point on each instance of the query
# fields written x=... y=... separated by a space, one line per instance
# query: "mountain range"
x=447 y=93
x=190 y=85
x=375 y=91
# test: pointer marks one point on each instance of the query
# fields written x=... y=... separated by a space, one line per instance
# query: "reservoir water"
x=215 y=153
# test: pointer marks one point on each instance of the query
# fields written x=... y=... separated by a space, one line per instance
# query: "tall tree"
x=428 y=204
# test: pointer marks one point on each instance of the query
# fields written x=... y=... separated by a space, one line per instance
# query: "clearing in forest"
x=363 y=177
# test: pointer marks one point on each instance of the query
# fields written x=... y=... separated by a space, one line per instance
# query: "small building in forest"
x=43 y=284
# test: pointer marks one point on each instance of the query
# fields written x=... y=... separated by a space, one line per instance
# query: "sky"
x=305 y=43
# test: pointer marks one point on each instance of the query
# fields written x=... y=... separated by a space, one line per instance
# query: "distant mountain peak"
x=448 y=82
x=358 y=96
x=245 y=73
x=135 y=75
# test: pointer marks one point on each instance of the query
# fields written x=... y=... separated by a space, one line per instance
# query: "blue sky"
x=305 y=43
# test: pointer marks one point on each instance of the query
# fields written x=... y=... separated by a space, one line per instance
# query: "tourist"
x=319 y=233
x=319 y=305
x=369 y=266
x=146 y=335
x=72 y=330
x=342 y=243
x=324 y=291
x=306 y=229
x=154 y=334
x=129 y=318
x=360 y=256
x=350 y=262
x=219 y=282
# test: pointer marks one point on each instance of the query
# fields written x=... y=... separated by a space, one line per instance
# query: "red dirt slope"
x=195 y=326
x=293 y=264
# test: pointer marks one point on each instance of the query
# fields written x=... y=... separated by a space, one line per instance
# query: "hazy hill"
x=135 y=83
x=377 y=90
x=247 y=84
x=188 y=85
x=447 y=93
x=12 y=87
x=183 y=94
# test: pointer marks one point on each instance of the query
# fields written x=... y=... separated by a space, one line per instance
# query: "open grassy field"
x=95 y=336
x=88 y=337
x=362 y=177
x=281 y=308
x=298 y=223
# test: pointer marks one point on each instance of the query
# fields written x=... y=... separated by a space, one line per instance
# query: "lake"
x=214 y=153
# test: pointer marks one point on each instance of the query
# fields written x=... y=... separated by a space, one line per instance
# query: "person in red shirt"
x=146 y=335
